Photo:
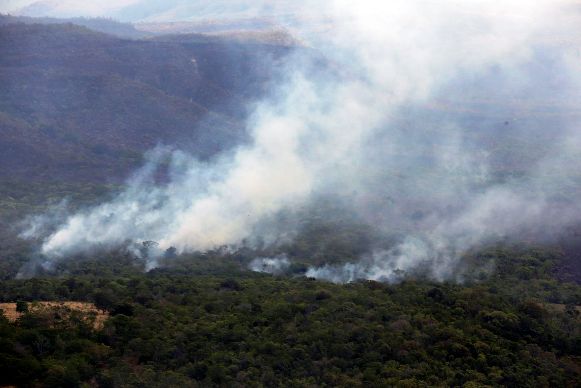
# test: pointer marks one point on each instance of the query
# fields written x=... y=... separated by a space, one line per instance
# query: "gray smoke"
x=448 y=123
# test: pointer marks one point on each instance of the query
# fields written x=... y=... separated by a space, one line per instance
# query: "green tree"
x=22 y=306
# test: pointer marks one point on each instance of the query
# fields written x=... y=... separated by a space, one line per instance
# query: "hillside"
x=77 y=104
x=105 y=25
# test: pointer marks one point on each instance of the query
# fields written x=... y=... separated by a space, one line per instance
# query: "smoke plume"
x=272 y=265
x=447 y=124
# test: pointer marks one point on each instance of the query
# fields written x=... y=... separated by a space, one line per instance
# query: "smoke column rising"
x=361 y=132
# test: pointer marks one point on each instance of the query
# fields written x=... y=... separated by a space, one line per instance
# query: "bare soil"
x=87 y=310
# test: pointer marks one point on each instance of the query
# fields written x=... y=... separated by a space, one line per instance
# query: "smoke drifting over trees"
x=441 y=125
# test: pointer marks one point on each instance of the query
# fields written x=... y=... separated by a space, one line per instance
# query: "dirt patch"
x=558 y=308
x=59 y=310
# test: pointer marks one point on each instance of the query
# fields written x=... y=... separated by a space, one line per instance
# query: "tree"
x=22 y=306
x=104 y=299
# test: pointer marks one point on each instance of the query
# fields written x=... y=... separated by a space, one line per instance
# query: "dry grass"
x=87 y=311
x=559 y=307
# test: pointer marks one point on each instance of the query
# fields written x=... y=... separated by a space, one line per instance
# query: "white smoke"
x=272 y=265
x=343 y=134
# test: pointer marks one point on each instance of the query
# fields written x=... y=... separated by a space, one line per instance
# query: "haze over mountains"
x=81 y=104
x=104 y=95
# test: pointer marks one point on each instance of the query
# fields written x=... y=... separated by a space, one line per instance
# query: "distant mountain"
x=207 y=26
x=76 y=104
x=257 y=31
x=105 y=25
x=170 y=10
x=273 y=37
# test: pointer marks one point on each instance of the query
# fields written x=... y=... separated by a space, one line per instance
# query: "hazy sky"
x=64 y=8
x=147 y=10
x=176 y=9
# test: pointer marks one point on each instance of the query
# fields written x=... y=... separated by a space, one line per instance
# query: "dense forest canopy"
x=205 y=321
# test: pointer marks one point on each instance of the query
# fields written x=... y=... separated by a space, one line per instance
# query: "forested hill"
x=105 y=25
x=80 y=105
x=203 y=322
